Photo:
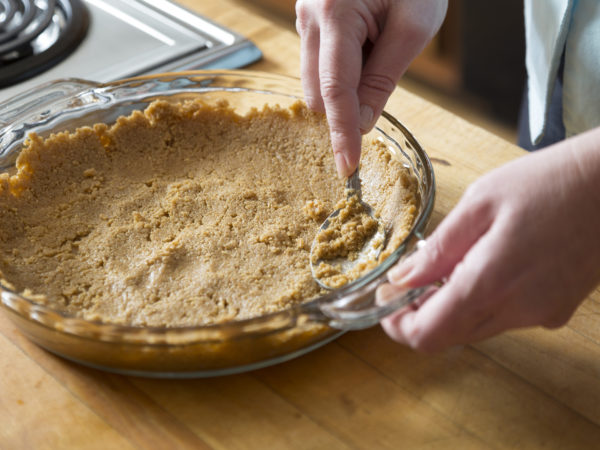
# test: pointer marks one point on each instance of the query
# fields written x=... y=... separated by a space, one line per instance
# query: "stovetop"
x=125 y=38
x=35 y=36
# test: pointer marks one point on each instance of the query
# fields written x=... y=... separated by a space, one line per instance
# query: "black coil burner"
x=37 y=34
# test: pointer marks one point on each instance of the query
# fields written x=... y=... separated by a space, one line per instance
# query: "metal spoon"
x=371 y=248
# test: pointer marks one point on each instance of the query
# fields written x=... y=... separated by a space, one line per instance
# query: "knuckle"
x=324 y=8
x=472 y=192
x=307 y=15
x=420 y=340
x=302 y=16
x=328 y=7
x=433 y=251
x=423 y=344
x=419 y=27
x=420 y=30
x=477 y=202
x=331 y=89
x=555 y=323
x=556 y=320
x=300 y=7
x=302 y=11
x=379 y=83
x=314 y=102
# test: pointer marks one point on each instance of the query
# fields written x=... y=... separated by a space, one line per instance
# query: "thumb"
x=445 y=248
x=403 y=37
x=378 y=80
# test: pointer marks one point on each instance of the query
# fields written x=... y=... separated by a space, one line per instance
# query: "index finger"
x=340 y=65
x=470 y=306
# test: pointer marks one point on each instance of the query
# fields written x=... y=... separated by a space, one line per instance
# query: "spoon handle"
x=353 y=182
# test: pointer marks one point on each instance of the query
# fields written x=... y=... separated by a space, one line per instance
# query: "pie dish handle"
x=344 y=314
x=36 y=109
x=359 y=309
x=42 y=102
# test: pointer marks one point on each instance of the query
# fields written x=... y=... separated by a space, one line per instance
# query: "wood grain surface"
x=525 y=389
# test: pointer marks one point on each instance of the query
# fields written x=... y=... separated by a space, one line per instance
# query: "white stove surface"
x=133 y=37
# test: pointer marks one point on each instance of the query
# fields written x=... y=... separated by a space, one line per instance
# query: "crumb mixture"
x=346 y=233
x=342 y=249
x=183 y=214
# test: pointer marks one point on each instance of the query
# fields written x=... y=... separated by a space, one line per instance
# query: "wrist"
x=584 y=151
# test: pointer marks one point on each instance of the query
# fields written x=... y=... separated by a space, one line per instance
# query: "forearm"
x=585 y=151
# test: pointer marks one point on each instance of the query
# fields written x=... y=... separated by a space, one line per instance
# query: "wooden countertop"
x=525 y=389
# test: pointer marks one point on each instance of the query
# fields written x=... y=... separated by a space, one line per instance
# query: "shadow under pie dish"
x=161 y=225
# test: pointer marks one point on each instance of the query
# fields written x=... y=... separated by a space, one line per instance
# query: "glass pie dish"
x=204 y=350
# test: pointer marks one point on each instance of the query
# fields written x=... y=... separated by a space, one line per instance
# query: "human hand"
x=349 y=86
x=521 y=248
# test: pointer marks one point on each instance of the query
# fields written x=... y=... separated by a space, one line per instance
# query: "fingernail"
x=341 y=164
x=385 y=293
x=399 y=274
x=366 y=117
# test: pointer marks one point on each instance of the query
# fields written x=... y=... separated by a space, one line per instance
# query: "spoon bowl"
x=371 y=247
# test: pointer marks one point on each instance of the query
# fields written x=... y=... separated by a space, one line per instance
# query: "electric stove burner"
x=37 y=34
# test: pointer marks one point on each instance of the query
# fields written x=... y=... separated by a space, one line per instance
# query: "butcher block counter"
x=525 y=389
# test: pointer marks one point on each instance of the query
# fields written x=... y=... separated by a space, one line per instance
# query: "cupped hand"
x=353 y=52
x=521 y=248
